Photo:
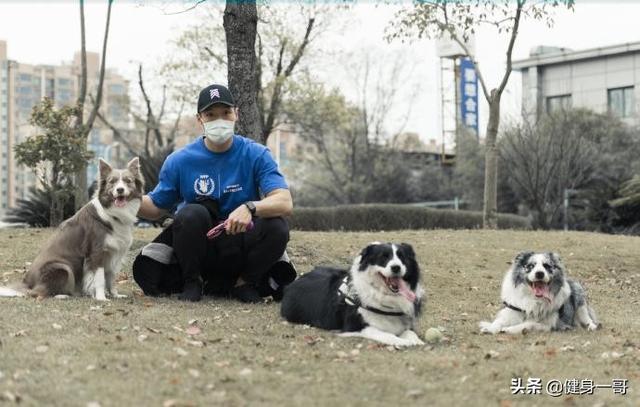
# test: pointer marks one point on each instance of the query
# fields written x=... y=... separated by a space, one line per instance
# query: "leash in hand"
x=219 y=228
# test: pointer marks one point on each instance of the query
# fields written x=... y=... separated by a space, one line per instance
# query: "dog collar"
x=350 y=298
x=513 y=307
x=101 y=221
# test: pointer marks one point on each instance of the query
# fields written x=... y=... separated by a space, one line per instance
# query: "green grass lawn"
x=143 y=351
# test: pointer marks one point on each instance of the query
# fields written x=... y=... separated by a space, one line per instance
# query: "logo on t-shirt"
x=204 y=185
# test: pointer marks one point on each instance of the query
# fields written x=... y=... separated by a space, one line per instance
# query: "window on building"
x=116 y=89
x=48 y=89
x=621 y=101
x=558 y=103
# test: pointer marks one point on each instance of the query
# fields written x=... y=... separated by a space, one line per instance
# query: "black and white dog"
x=379 y=298
x=537 y=295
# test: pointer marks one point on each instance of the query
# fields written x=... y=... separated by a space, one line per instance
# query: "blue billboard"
x=468 y=95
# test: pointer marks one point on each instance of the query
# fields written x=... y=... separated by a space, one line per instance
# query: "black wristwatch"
x=251 y=206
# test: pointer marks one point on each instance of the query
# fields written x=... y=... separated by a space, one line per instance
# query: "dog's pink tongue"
x=541 y=289
x=403 y=289
x=120 y=202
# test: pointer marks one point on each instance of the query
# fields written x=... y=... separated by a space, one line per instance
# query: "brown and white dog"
x=86 y=252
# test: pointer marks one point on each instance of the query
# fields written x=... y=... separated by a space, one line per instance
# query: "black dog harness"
x=513 y=307
x=351 y=297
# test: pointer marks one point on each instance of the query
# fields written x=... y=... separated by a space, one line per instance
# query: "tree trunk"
x=240 y=26
x=490 y=207
x=56 y=213
x=81 y=193
x=81 y=187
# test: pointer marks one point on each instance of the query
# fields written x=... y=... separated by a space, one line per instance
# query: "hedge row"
x=373 y=217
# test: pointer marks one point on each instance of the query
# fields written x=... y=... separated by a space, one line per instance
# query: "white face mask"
x=219 y=131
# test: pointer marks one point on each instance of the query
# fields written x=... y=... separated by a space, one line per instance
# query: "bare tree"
x=350 y=139
x=156 y=142
x=459 y=20
x=284 y=37
x=82 y=127
x=545 y=159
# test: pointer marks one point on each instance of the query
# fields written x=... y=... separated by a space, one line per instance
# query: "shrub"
x=371 y=217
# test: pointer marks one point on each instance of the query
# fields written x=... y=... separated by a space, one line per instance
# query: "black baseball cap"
x=213 y=94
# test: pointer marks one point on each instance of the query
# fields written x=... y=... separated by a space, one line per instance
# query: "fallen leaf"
x=550 y=352
x=13 y=398
x=612 y=355
x=245 y=372
x=492 y=354
x=193 y=330
x=415 y=393
x=309 y=340
x=177 y=403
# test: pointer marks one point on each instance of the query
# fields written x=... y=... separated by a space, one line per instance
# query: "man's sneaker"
x=279 y=276
x=192 y=291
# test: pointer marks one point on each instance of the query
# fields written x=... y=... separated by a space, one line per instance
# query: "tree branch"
x=96 y=105
x=198 y=2
x=512 y=40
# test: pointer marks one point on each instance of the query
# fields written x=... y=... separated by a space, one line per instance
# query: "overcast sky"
x=47 y=32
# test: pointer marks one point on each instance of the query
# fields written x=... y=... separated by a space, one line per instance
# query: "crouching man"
x=219 y=177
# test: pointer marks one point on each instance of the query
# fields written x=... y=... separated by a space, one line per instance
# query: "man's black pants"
x=218 y=263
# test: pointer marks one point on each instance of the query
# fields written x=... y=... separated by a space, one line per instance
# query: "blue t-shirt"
x=243 y=173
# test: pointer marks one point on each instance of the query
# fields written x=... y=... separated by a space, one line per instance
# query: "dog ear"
x=134 y=166
x=518 y=263
x=407 y=249
x=557 y=260
x=412 y=276
x=522 y=258
x=104 y=167
x=365 y=255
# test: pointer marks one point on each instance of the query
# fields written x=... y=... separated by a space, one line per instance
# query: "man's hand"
x=238 y=220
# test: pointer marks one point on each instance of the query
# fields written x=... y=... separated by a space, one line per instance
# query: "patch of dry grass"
x=142 y=351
